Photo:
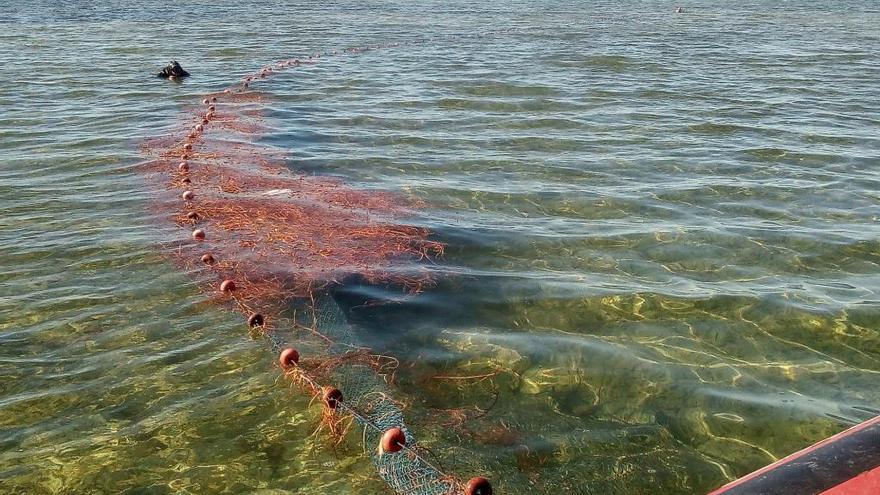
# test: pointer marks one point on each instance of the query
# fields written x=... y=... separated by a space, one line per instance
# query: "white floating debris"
x=277 y=192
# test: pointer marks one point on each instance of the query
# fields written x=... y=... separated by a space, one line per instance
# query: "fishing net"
x=273 y=244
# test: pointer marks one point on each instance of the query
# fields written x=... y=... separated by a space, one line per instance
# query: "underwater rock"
x=566 y=391
x=575 y=399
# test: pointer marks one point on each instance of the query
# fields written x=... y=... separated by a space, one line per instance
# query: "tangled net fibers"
x=266 y=242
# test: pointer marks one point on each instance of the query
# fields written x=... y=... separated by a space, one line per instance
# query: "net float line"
x=312 y=231
x=263 y=237
x=353 y=234
x=399 y=460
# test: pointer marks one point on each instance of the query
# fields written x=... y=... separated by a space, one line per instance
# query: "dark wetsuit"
x=173 y=70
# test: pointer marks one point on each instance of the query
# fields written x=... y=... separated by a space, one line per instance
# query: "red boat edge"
x=846 y=464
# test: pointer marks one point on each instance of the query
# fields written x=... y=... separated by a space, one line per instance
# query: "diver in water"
x=173 y=71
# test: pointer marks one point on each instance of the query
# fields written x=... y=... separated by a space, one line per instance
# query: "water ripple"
x=661 y=234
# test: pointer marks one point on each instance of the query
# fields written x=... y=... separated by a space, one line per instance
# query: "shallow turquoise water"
x=661 y=233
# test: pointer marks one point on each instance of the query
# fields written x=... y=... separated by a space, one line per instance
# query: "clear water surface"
x=662 y=235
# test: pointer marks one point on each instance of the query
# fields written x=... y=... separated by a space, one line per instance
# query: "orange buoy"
x=212 y=108
x=255 y=320
x=188 y=195
x=393 y=440
x=199 y=128
x=186 y=180
x=183 y=167
x=192 y=215
x=199 y=235
x=288 y=358
x=332 y=397
x=478 y=486
x=213 y=99
x=205 y=101
x=205 y=121
x=208 y=259
x=227 y=286
x=226 y=91
x=188 y=146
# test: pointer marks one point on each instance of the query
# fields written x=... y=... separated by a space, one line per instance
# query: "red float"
x=478 y=486
x=188 y=195
x=227 y=286
x=393 y=440
x=208 y=259
x=255 y=320
x=332 y=397
x=183 y=167
x=199 y=235
x=288 y=358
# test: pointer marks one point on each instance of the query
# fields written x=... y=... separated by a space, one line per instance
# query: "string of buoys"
x=392 y=441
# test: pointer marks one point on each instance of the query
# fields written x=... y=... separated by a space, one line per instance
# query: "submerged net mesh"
x=271 y=244
x=362 y=378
